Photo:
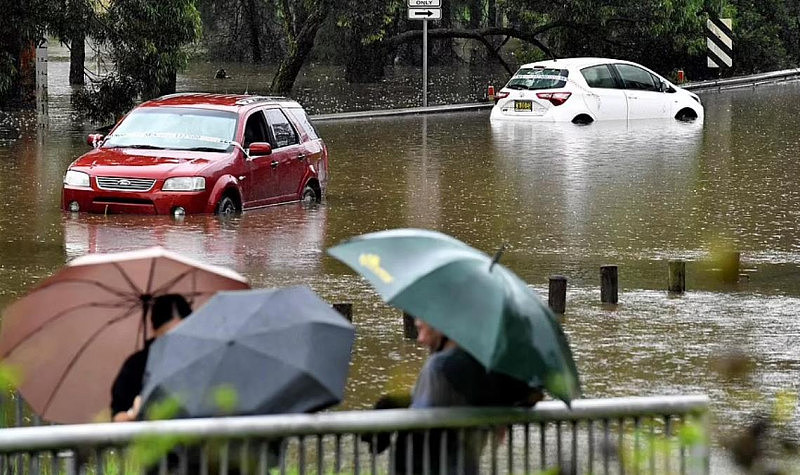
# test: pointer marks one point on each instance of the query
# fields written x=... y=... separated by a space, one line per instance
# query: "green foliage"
x=663 y=35
x=765 y=35
x=10 y=377
x=226 y=399
x=649 y=448
x=23 y=21
x=8 y=73
x=147 y=40
x=108 y=99
x=73 y=19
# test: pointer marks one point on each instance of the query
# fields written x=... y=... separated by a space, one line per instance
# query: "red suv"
x=200 y=153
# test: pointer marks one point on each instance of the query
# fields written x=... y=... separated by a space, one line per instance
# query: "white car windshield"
x=175 y=128
x=538 y=78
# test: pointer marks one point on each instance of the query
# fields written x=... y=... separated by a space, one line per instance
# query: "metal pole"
x=424 y=63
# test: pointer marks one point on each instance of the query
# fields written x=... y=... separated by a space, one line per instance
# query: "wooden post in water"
x=346 y=309
x=609 y=284
x=677 y=277
x=557 y=294
x=409 y=329
x=729 y=266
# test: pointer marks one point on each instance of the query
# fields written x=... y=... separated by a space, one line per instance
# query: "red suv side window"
x=255 y=130
x=282 y=131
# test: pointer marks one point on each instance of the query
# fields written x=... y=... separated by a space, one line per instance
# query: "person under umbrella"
x=282 y=350
x=250 y=352
x=498 y=344
x=453 y=377
x=166 y=313
x=69 y=336
x=470 y=297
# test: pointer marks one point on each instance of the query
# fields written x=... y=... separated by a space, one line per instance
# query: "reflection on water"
x=287 y=239
x=564 y=198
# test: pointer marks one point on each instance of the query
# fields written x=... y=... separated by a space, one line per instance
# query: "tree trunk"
x=255 y=32
x=77 y=56
x=27 y=74
x=443 y=50
x=492 y=19
x=364 y=63
x=299 y=50
x=169 y=85
x=475 y=8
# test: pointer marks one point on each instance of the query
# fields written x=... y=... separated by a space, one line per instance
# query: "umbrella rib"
x=291 y=363
x=207 y=386
x=103 y=286
x=177 y=278
x=83 y=348
x=150 y=276
x=127 y=278
x=59 y=316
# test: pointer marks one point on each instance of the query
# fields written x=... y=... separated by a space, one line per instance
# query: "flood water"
x=565 y=199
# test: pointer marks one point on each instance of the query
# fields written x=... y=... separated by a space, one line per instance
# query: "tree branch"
x=480 y=34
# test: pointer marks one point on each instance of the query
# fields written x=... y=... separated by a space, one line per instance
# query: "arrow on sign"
x=424 y=14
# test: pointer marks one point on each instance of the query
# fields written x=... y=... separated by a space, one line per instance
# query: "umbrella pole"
x=146 y=303
x=497 y=256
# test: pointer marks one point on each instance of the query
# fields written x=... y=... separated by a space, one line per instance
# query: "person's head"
x=428 y=336
x=167 y=310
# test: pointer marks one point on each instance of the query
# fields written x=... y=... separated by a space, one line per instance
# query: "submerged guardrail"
x=721 y=84
x=744 y=81
x=663 y=434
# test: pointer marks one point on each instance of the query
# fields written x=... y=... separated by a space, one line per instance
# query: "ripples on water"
x=566 y=199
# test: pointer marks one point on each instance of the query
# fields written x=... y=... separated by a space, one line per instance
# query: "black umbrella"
x=276 y=350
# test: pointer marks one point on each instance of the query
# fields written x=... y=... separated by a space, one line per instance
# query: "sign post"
x=424 y=10
x=41 y=77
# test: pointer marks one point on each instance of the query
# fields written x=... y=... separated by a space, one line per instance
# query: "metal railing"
x=618 y=435
x=751 y=80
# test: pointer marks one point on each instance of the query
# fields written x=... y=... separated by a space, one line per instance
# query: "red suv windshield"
x=175 y=128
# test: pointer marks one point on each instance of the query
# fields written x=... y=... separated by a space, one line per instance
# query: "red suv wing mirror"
x=259 y=148
x=95 y=140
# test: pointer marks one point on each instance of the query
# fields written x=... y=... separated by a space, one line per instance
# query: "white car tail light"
x=555 y=98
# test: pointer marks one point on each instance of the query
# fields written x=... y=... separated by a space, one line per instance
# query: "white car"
x=582 y=90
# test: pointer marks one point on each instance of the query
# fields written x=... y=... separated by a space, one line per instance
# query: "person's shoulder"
x=138 y=357
x=457 y=360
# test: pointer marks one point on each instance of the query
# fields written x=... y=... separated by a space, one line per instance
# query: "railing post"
x=346 y=309
x=557 y=294
x=677 y=277
x=609 y=284
x=409 y=329
x=729 y=266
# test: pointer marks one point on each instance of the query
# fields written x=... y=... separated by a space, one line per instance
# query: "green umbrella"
x=481 y=305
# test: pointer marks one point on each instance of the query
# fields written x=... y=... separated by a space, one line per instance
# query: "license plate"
x=523 y=106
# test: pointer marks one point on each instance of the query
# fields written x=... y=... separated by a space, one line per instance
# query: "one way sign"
x=424 y=13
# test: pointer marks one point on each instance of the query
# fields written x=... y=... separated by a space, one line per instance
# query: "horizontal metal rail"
x=714 y=84
x=405 y=111
x=744 y=81
x=43 y=438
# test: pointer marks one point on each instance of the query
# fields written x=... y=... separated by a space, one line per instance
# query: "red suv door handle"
x=274 y=164
x=301 y=157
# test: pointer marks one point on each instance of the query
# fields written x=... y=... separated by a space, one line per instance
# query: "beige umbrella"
x=69 y=336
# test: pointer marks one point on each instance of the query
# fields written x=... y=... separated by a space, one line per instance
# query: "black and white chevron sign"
x=719 y=42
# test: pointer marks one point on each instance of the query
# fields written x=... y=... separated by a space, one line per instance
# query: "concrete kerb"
x=371 y=114
x=752 y=80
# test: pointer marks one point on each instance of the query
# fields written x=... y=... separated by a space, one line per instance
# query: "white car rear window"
x=538 y=78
